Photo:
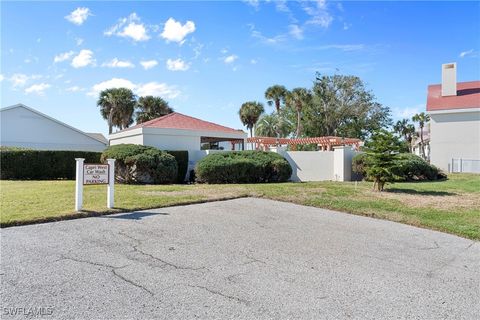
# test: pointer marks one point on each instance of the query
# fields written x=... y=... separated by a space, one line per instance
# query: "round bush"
x=141 y=164
x=243 y=167
x=408 y=167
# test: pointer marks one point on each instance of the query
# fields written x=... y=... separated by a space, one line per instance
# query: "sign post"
x=79 y=184
x=111 y=183
x=94 y=173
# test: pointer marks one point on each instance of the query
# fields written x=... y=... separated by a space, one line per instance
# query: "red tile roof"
x=177 y=120
x=468 y=96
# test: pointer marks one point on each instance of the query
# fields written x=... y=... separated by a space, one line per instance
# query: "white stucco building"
x=24 y=127
x=454 y=109
x=176 y=131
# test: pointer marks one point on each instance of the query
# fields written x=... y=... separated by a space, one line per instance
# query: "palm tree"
x=117 y=106
x=297 y=99
x=410 y=134
x=407 y=130
x=421 y=118
x=276 y=95
x=151 y=107
x=270 y=125
x=249 y=113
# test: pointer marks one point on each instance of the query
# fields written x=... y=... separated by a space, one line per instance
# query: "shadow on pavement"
x=134 y=215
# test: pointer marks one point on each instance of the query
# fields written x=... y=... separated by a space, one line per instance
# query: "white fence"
x=465 y=165
x=333 y=165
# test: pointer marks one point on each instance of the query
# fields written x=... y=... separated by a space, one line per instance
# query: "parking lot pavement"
x=246 y=258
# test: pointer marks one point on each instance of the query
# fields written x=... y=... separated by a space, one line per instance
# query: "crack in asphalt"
x=112 y=269
x=230 y=277
x=253 y=260
x=448 y=262
x=237 y=299
x=151 y=256
x=431 y=248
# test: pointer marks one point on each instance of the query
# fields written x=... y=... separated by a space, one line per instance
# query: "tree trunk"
x=422 y=148
x=251 y=136
x=110 y=120
x=378 y=185
x=299 y=123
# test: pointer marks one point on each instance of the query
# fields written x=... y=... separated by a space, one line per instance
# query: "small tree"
x=422 y=119
x=381 y=151
x=249 y=113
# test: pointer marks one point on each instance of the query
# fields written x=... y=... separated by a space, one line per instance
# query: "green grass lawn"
x=451 y=206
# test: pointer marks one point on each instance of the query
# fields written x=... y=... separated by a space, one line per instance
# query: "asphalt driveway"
x=245 y=258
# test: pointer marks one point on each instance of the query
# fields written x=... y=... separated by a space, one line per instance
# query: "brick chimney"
x=449 y=79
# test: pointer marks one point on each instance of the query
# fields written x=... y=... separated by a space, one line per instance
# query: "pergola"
x=324 y=143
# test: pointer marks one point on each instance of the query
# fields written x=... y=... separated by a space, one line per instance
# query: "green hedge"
x=243 y=167
x=182 y=163
x=42 y=165
x=141 y=164
x=409 y=167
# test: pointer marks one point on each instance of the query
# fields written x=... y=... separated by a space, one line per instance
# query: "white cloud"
x=177 y=65
x=115 y=63
x=408 y=112
x=63 y=56
x=1 y=77
x=318 y=13
x=176 y=32
x=79 y=41
x=230 y=59
x=343 y=47
x=264 y=39
x=78 y=16
x=150 y=88
x=157 y=89
x=19 y=79
x=74 y=89
x=130 y=27
x=468 y=53
x=37 y=89
x=253 y=3
x=296 y=31
x=83 y=59
x=254 y=61
x=148 y=64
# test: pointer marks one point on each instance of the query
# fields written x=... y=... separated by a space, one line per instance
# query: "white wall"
x=310 y=165
x=21 y=127
x=319 y=165
x=454 y=135
x=133 y=139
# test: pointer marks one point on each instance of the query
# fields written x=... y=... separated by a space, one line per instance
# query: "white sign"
x=95 y=173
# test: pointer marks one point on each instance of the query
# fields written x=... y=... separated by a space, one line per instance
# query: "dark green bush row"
x=243 y=167
x=409 y=167
x=182 y=163
x=141 y=164
x=42 y=165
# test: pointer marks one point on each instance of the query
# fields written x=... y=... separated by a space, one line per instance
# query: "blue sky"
x=207 y=58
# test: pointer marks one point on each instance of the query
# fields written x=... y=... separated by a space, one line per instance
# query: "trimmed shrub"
x=409 y=167
x=243 y=167
x=41 y=164
x=141 y=164
x=413 y=168
x=182 y=163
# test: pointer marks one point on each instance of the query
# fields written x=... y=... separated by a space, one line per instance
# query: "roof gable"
x=468 y=96
x=176 y=120
x=20 y=105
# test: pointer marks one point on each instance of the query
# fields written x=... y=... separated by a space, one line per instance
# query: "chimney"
x=449 y=79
